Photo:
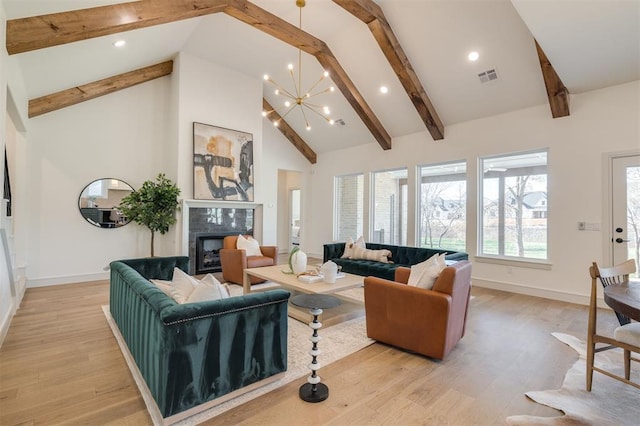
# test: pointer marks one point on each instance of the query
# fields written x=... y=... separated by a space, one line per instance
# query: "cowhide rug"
x=610 y=402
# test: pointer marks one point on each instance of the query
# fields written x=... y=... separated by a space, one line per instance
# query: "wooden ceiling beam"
x=269 y=23
x=38 y=32
x=65 y=98
x=557 y=92
x=371 y=14
x=289 y=133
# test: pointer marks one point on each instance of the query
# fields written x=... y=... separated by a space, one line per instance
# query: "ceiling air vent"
x=488 y=76
x=340 y=121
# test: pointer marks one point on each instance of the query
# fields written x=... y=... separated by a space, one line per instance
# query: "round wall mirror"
x=99 y=202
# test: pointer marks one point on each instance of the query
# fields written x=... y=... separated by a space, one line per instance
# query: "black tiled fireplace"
x=207 y=228
x=207 y=257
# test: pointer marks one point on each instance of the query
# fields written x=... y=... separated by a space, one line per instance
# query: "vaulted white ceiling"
x=591 y=43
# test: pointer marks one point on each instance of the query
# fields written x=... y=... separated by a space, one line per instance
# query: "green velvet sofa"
x=193 y=353
x=400 y=256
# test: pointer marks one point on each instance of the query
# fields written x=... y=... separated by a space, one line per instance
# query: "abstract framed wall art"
x=222 y=164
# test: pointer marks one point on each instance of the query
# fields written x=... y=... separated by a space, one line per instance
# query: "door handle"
x=620 y=240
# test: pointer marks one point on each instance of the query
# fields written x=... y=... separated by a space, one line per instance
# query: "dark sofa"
x=193 y=353
x=400 y=256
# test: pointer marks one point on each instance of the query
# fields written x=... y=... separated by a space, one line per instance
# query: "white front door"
x=625 y=209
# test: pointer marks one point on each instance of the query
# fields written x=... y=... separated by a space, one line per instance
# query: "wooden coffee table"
x=349 y=308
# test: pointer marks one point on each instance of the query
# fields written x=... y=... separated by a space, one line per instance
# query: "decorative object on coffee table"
x=297 y=261
x=313 y=390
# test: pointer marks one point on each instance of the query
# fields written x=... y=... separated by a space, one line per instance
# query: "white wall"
x=134 y=134
x=601 y=122
x=212 y=94
x=120 y=135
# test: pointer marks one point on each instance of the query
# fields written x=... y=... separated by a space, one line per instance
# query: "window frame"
x=402 y=228
x=418 y=195
x=335 y=235
x=505 y=259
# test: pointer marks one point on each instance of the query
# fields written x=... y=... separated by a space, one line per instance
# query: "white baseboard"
x=67 y=279
x=5 y=323
x=563 y=296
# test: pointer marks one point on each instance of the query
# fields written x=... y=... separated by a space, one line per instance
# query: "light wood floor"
x=60 y=364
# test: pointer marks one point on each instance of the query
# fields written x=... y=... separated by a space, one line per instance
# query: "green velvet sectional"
x=193 y=353
x=400 y=256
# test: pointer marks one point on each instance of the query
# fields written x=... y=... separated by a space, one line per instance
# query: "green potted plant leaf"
x=154 y=205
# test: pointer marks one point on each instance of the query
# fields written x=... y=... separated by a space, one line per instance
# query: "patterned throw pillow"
x=368 y=254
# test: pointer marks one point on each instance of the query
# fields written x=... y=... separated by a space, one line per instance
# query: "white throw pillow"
x=348 y=248
x=165 y=286
x=187 y=289
x=425 y=274
x=368 y=254
x=249 y=245
x=211 y=281
x=349 y=245
x=183 y=285
x=208 y=288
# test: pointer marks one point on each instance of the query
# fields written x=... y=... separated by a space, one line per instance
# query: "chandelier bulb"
x=331 y=122
x=331 y=89
x=277 y=92
x=265 y=77
x=326 y=73
x=264 y=113
x=326 y=110
x=290 y=67
x=287 y=104
x=308 y=128
x=275 y=123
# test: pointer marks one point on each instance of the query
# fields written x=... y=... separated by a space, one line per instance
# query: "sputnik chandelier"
x=299 y=98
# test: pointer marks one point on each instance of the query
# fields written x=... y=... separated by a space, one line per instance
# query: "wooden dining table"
x=624 y=298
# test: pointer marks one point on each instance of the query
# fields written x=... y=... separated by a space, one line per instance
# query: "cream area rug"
x=337 y=342
x=610 y=402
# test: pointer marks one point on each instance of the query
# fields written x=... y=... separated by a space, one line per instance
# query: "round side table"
x=313 y=390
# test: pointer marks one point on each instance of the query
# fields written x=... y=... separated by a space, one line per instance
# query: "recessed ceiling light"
x=473 y=56
x=119 y=43
x=384 y=89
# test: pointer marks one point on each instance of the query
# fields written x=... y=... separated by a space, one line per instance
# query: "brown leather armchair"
x=429 y=322
x=235 y=261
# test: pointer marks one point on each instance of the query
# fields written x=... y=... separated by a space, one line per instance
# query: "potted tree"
x=154 y=205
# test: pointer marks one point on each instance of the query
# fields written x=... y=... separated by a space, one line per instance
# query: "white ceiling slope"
x=591 y=43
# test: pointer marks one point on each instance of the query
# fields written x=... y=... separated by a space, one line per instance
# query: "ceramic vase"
x=298 y=262
x=330 y=272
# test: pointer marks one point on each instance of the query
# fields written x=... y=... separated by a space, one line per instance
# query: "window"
x=442 y=206
x=349 y=203
x=514 y=206
x=390 y=191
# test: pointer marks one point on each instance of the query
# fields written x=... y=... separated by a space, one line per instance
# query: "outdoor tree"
x=517 y=192
x=633 y=211
x=437 y=199
x=154 y=205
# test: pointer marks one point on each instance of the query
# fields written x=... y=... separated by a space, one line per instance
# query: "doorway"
x=625 y=208
x=294 y=215
x=291 y=215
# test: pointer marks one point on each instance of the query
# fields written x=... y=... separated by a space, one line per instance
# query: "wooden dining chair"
x=627 y=336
